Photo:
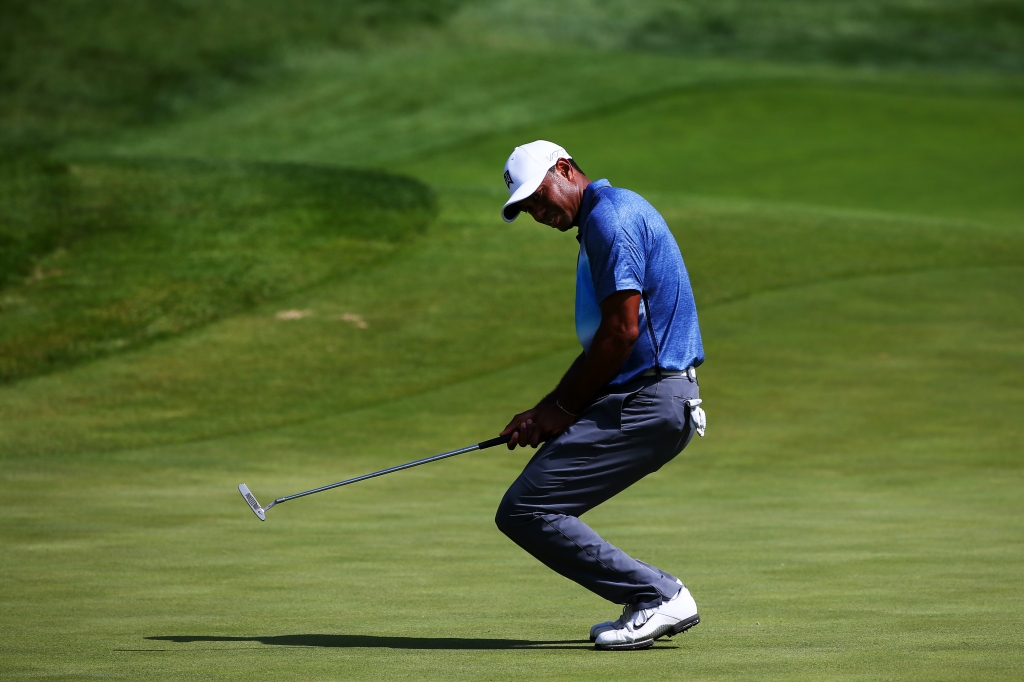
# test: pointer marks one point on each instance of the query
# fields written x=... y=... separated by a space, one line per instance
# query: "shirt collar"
x=589 y=198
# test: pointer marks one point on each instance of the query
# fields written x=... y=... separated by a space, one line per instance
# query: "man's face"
x=556 y=201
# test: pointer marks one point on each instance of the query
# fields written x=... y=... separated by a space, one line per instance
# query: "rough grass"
x=148 y=249
x=73 y=67
x=933 y=33
x=76 y=67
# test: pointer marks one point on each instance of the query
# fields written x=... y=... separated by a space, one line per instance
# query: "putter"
x=261 y=512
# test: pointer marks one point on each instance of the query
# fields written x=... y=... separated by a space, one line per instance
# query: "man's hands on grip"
x=533 y=427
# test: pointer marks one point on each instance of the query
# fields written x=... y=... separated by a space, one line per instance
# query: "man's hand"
x=544 y=422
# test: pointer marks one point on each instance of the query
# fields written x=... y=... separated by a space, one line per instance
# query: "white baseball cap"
x=525 y=170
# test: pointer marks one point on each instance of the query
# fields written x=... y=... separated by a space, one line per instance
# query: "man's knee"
x=512 y=514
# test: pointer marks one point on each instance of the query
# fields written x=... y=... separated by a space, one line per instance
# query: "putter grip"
x=494 y=441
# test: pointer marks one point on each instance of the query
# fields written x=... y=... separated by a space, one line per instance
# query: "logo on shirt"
x=508 y=180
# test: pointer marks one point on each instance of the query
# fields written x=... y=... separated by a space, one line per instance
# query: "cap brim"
x=508 y=211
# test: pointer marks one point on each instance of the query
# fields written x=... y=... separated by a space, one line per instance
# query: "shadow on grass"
x=373 y=642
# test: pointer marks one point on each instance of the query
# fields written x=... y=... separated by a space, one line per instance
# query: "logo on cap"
x=508 y=179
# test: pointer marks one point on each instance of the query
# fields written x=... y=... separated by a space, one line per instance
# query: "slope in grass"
x=76 y=68
x=936 y=33
x=928 y=150
x=149 y=249
x=73 y=67
x=475 y=295
x=387 y=105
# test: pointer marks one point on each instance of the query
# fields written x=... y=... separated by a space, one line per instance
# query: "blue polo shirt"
x=625 y=244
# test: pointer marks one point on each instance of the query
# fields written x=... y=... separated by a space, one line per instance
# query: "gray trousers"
x=619 y=439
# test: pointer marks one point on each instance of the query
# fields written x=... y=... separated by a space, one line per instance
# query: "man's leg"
x=595 y=459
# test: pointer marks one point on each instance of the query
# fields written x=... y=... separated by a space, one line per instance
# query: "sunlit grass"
x=147 y=250
x=228 y=295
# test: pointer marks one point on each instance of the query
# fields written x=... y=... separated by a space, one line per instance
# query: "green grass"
x=148 y=250
x=890 y=146
x=88 y=68
x=438 y=301
x=855 y=243
x=76 y=68
x=832 y=525
x=935 y=33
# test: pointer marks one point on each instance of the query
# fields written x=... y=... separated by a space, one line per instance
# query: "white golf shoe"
x=611 y=624
x=627 y=613
x=640 y=628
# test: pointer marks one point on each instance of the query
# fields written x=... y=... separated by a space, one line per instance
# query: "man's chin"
x=560 y=224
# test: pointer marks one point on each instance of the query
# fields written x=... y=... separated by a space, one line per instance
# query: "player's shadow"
x=374 y=642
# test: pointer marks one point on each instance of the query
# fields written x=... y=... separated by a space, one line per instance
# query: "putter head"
x=259 y=511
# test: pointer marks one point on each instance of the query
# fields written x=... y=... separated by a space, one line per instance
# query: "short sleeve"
x=616 y=252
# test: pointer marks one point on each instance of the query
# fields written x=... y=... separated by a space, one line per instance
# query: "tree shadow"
x=374 y=642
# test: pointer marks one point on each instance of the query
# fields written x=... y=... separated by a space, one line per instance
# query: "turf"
x=150 y=249
x=856 y=246
x=89 y=68
x=892 y=146
x=842 y=527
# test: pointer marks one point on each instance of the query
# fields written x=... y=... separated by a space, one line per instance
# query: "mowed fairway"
x=856 y=510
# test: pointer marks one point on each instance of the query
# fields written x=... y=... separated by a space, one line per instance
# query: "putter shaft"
x=478 y=446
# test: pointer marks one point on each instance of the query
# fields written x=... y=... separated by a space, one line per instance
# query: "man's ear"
x=565 y=169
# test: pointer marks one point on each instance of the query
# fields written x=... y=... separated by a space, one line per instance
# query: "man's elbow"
x=626 y=336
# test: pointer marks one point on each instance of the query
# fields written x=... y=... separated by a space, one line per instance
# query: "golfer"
x=628 y=404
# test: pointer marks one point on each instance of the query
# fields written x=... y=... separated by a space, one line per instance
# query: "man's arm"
x=611 y=346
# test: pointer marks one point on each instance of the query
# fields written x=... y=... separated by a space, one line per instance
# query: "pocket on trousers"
x=649 y=408
x=635 y=412
x=691 y=413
